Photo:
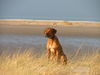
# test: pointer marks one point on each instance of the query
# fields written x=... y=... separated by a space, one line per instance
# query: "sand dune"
x=47 y=22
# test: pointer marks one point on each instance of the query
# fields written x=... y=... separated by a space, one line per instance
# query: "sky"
x=87 y=10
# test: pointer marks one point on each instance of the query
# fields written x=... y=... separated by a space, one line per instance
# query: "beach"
x=24 y=46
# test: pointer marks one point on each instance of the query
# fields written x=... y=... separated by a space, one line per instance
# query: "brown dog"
x=54 y=48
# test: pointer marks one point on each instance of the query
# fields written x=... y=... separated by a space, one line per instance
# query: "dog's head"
x=50 y=32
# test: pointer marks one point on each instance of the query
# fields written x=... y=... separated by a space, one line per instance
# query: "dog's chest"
x=52 y=46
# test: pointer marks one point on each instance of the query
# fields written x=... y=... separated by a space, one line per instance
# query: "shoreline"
x=48 y=22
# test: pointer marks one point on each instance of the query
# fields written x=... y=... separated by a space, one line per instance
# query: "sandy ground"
x=62 y=30
x=36 y=27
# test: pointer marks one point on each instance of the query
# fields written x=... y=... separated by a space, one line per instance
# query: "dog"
x=54 y=48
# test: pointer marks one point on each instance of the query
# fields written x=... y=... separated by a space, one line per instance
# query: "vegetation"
x=29 y=63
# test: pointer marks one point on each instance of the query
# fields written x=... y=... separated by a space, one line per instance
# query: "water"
x=38 y=42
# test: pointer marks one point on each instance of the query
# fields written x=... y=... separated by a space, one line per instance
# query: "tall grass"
x=29 y=63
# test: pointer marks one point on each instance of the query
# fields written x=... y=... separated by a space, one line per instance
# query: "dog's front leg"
x=48 y=53
x=57 y=56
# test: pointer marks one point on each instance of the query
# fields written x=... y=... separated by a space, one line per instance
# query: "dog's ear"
x=46 y=30
x=54 y=31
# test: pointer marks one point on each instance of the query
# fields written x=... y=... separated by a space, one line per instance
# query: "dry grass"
x=29 y=63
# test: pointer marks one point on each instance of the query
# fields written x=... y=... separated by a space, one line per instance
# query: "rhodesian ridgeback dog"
x=54 y=48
